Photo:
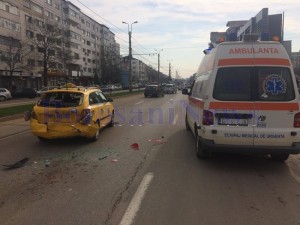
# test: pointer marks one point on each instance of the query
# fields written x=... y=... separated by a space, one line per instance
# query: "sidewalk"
x=10 y=126
x=8 y=118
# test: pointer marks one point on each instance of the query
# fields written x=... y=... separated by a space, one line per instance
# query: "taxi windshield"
x=61 y=99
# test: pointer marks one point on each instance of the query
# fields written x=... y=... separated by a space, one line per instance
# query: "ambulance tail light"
x=208 y=118
x=297 y=120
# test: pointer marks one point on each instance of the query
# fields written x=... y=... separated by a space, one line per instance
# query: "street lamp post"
x=130 y=54
x=158 y=53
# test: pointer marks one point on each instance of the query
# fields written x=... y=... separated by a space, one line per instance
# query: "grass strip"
x=14 y=110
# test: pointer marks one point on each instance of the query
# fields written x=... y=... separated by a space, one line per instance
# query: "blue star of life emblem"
x=274 y=86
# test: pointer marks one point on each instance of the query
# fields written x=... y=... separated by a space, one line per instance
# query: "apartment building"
x=92 y=46
x=10 y=36
x=82 y=48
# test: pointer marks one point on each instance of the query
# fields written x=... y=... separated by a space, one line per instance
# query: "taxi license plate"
x=233 y=121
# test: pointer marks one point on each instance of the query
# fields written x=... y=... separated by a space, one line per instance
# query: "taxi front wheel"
x=279 y=157
x=112 y=121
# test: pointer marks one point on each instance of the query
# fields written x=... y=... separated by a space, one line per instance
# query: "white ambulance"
x=245 y=99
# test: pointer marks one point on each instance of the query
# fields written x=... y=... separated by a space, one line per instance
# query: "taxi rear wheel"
x=96 y=136
x=41 y=139
x=279 y=157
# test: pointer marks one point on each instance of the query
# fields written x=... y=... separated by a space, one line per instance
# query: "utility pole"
x=158 y=64
x=170 y=77
x=130 y=55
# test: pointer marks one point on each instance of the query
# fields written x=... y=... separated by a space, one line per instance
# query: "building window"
x=40 y=23
x=28 y=19
x=37 y=8
x=88 y=43
x=89 y=70
x=88 y=24
x=40 y=49
x=31 y=48
x=49 y=2
x=76 y=56
x=56 y=6
x=29 y=33
x=31 y=62
x=40 y=63
x=9 y=8
x=84 y=59
x=9 y=24
x=27 y=3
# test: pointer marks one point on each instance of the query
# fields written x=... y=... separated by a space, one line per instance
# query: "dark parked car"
x=24 y=93
x=153 y=90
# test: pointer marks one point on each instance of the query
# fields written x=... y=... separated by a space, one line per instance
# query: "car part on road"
x=18 y=164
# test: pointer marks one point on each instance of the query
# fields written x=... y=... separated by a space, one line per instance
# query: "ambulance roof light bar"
x=250 y=37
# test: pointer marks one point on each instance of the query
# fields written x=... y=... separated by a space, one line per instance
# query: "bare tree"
x=13 y=56
x=48 y=41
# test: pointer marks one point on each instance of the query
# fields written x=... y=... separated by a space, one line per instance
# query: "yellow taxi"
x=71 y=111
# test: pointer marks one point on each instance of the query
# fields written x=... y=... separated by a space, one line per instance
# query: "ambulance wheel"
x=279 y=157
x=200 y=150
x=187 y=126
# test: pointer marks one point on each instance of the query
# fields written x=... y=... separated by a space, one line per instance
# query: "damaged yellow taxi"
x=71 y=111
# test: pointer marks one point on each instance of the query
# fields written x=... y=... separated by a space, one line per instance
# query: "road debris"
x=47 y=162
x=18 y=164
x=135 y=146
x=104 y=157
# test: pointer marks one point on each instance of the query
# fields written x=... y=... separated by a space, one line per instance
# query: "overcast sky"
x=180 y=29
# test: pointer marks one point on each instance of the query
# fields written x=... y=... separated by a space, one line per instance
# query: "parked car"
x=170 y=89
x=24 y=93
x=44 y=89
x=107 y=88
x=4 y=94
x=71 y=111
x=153 y=90
x=118 y=86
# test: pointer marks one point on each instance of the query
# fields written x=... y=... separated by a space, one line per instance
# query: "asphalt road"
x=162 y=182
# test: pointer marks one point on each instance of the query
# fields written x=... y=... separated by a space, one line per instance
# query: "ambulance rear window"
x=254 y=84
x=233 y=84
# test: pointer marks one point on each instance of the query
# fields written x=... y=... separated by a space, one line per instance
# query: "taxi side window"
x=94 y=98
x=102 y=97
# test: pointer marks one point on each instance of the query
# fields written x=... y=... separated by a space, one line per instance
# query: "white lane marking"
x=175 y=119
x=136 y=201
x=139 y=102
